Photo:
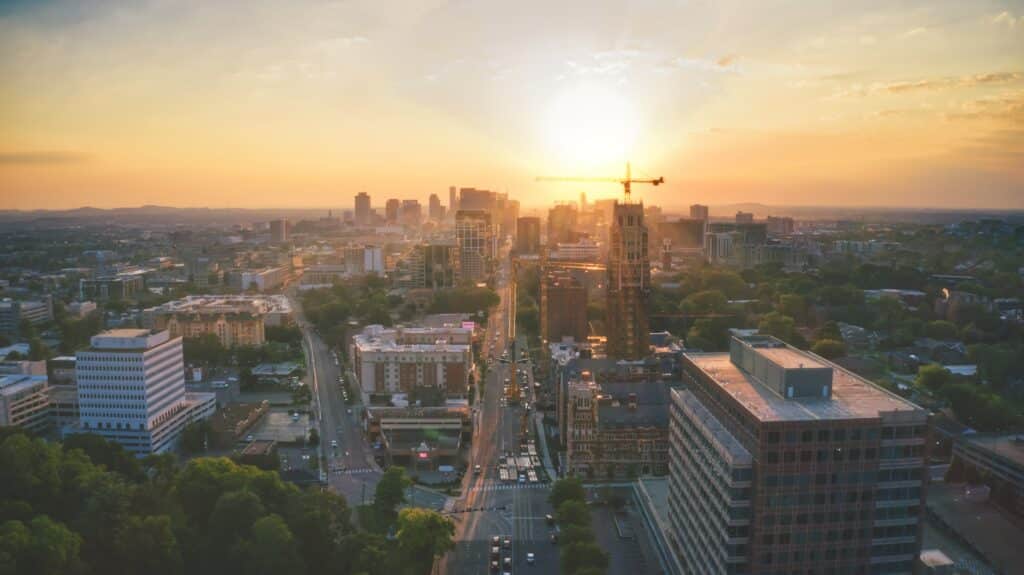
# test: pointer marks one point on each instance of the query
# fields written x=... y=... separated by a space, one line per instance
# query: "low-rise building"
x=13 y=312
x=617 y=429
x=236 y=320
x=24 y=402
x=430 y=364
x=112 y=287
x=998 y=461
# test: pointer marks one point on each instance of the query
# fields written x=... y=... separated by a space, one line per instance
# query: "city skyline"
x=226 y=105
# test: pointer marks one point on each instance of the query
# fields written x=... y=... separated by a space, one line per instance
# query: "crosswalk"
x=509 y=486
x=355 y=471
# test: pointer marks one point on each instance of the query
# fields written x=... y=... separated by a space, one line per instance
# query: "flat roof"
x=789 y=358
x=852 y=397
x=1008 y=446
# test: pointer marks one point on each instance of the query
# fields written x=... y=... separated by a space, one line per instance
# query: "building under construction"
x=629 y=281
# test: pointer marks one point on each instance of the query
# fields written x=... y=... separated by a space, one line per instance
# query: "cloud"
x=41 y=158
x=915 y=32
x=1005 y=19
x=868 y=40
x=727 y=60
x=1005 y=107
x=952 y=82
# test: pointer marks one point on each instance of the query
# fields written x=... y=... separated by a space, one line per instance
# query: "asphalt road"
x=356 y=475
x=496 y=508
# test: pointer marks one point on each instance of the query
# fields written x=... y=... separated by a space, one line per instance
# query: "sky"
x=301 y=103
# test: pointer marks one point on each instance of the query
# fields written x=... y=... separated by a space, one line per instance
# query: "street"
x=498 y=508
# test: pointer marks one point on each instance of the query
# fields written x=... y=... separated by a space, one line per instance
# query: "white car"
x=530 y=558
x=334 y=443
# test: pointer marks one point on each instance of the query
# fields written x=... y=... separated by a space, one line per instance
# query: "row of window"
x=836 y=455
x=830 y=498
x=813 y=536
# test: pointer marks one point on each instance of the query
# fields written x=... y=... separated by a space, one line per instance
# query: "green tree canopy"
x=829 y=348
x=566 y=489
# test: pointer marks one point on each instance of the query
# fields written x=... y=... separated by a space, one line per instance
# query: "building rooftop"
x=15 y=383
x=128 y=339
x=225 y=304
x=1010 y=447
x=651 y=409
x=852 y=397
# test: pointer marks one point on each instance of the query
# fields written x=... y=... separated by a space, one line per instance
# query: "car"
x=477 y=469
x=249 y=437
x=495 y=552
x=554 y=538
x=349 y=411
x=522 y=478
x=494 y=566
x=495 y=540
x=507 y=543
x=530 y=558
x=550 y=519
x=334 y=443
x=507 y=563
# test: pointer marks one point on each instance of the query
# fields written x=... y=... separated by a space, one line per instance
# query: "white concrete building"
x=410 y=360
x=131 y=389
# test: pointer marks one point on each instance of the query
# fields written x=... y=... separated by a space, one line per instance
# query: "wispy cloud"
x=1006 y=19
x=951 y=82
x=41 y=157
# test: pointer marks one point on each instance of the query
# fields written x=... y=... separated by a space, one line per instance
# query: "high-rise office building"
x=744 y=218
x=435 y=210
x=453 y=201
x=475 y=237
x=391 y=208
x=432 y=266
x=362 y=217
x=474 y=199
x=699 y=212
x=563 y=307
x=131 y=389
x=528 y=235
x=562 y=224
x=279 y=231
x=782 y=462
x=629 y=283
x=780 y=226
x=411 y=213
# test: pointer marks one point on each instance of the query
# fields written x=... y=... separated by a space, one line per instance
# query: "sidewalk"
x=538 y=420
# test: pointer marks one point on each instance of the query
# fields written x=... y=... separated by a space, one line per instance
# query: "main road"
x=489 y=507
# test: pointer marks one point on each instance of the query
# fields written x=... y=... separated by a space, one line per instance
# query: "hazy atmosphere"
x=305 y=103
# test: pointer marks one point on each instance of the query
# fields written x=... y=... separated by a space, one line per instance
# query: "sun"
x=589 y=126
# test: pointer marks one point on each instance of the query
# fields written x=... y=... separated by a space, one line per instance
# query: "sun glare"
x=589 y=126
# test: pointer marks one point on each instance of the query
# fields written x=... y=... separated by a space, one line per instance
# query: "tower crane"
x=626 y=182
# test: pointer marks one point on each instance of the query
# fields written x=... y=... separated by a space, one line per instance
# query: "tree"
x=148 y=545
x=109 y=454
x=793 y=305
x=270 y=549
x=582 y=558
x=566 y=489
x=319 y=520
x=941 y=329
x=829 y=330
x=314 y=437
x=729 y=283
x=708 y=301
x=423 y=535
x=193 y=437
x=829 y=348
x=575 y=534
x=979 y=409
x=778 y=325
x=390 y=493
x=205 y=348
x=573 y=512
x=932 y=377
x=43 y=547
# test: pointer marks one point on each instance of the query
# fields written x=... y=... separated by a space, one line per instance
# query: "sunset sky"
x=295 y=103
